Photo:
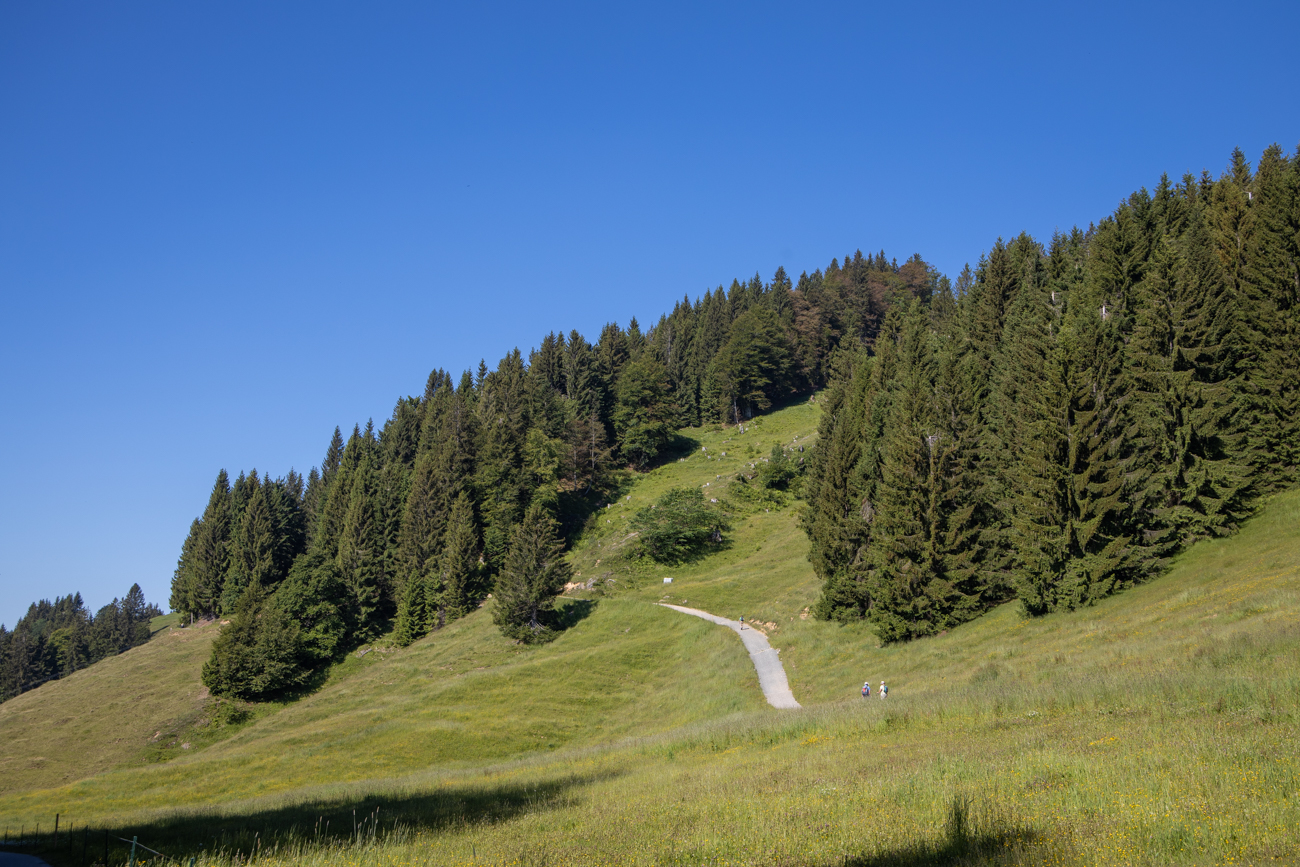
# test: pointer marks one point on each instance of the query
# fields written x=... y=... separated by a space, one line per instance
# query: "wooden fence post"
x=56 y=830
x=133 y=841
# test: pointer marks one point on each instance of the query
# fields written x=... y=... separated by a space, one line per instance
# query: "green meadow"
x=1157 y=727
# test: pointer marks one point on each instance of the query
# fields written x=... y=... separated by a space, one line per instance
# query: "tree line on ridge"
x=53 y=640
x=472 y=487
x=1052 y=428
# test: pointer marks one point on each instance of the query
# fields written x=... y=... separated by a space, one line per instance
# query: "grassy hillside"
x=467 y=694
x=1157 y=727
x=116 y=712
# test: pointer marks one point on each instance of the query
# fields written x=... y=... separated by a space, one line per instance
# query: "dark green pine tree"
x=360 y=558
x=532 y=574
x=547 y=361
x=337 y=493
x=254 y=558
x=502 y=424
x=422 y=527
x=582 y=386
x=899 y=560
x=1273 y=260
x=644 y=414
x=1028 y=447
x=853 y=456
x=838 y=512
x=1118 y=254
x=442 y=473
x=924 y=552
x=1004 y=360
x=318 y=488
x=312 y=499
x=1103 y=533
x=459 y=572
x=400 y=436
x=10 y=671
x=752 y=369
x=1181 y=363
x=207 y=559
x=394 y=488
x=612 y=355
x=333 y=458
x=1233 y=220
x=183 y=577
x=957 y=488
x=413 y=609
x=236 y=579
x=1077 y=536
x=257 y=655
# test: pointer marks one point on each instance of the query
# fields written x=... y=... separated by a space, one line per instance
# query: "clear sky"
x=226 y=228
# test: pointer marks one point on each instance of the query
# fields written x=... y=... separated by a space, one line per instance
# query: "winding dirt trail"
x=767 y=662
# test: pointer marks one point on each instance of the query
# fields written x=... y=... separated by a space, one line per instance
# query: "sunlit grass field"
x=105 y=716
x=1158 y=727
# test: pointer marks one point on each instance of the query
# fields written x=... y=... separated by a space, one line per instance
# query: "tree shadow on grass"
x=967 y=840
x=680 y=446
x=342 y=821
x=571 y=612
x=689 y=555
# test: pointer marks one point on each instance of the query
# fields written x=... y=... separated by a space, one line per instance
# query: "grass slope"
x=464 y=695
x=1157 y=727
x=116 y=712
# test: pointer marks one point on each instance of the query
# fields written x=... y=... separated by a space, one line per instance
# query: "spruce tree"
x=532 y=574
x=922 y=561
x=1182 y=365
x=338 y=494
x=838 y=514
x=360 y=558
x=256 y=656
x=422 y=525
x=502 y=422
x=751 y=370
x=412 y=610
x=313 y=596
x=644 y=413
x=459 y=572
x=1273 y=262
x=205 y=560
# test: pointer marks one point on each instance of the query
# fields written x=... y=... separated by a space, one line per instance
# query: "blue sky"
x=227 y=228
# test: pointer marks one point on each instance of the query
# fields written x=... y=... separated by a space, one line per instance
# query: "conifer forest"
x=53 y=640
x=1051 y=426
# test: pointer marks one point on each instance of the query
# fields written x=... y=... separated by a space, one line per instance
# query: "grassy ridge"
x=1157 y=727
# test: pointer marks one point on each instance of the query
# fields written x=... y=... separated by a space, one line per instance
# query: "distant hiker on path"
x=866 y=690
x=742 y=621
x=884 y=690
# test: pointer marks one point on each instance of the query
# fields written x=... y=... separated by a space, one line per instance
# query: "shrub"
x=679 y=526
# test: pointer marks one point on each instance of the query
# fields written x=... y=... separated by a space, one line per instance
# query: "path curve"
x=767 y=662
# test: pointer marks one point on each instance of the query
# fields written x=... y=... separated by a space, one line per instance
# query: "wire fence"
x=67 y=845
x=70 y=846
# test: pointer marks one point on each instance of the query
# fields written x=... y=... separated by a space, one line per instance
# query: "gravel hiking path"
x=767 y=662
